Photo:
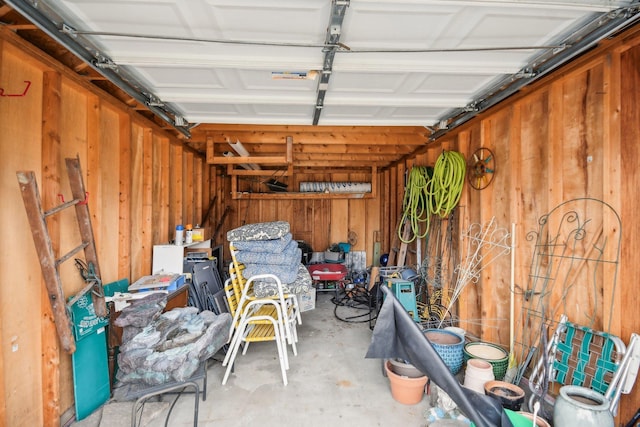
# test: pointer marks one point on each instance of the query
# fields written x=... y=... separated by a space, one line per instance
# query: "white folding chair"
x=258 y=320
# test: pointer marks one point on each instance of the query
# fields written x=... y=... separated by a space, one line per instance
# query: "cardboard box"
x=307 y=300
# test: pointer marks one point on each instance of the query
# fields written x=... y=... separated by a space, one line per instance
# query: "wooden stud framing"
x=124 y=202
x=51 y=107
x=284 y=160
x=612 y=181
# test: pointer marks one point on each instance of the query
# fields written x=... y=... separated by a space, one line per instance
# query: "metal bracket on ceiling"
x=525 y=73
x=152 y=100
x=103 y=62
x=67 y=29
x=332 y=44
x=180 y=121
x=472 y=107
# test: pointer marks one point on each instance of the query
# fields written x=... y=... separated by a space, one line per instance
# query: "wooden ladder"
x=46 y=255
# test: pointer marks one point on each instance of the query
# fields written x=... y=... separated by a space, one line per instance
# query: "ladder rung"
x=80 y=294
x=72 y=252
x=62 y=207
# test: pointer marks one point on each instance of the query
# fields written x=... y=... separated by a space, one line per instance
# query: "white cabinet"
x=169 y=258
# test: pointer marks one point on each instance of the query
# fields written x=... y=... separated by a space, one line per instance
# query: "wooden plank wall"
x=318 y=222
x=572 y=135
x=140 y=183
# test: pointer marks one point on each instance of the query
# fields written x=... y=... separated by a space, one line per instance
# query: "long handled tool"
x=513 y=364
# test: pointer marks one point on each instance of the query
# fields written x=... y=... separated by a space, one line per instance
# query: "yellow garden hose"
x=414 y=205
x=437 y=193
x=446 y=185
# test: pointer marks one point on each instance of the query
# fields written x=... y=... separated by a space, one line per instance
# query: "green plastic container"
x=516 y=419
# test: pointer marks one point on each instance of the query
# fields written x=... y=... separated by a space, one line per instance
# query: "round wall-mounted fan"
x=481 y=168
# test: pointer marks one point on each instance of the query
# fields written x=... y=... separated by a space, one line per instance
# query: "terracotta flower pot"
x=404 y=369
x=408 y=391
x=540 y=422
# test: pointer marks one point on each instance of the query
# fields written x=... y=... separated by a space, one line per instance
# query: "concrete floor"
x=330 y=384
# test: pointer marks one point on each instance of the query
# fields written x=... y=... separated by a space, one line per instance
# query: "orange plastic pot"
x=408 y=391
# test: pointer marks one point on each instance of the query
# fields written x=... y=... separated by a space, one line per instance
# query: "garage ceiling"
x=427 y=63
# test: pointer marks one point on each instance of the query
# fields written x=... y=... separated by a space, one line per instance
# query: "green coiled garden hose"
x=414 y=206
x=445 y=187
x=430 y=191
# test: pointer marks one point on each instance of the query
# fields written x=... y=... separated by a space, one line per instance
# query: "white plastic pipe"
x=230 y=154
x=242 y=152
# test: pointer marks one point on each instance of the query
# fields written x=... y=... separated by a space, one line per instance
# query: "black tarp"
x=396 y=335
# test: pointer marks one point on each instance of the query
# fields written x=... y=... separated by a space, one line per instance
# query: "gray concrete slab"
x=330 y=382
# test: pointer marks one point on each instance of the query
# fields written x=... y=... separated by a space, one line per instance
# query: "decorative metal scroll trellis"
x=576 y=251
